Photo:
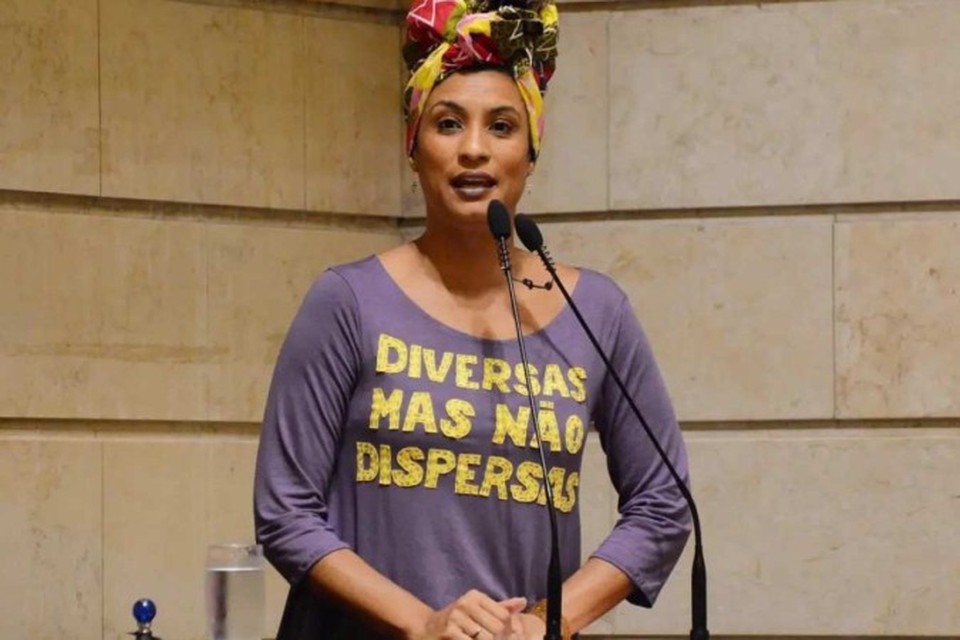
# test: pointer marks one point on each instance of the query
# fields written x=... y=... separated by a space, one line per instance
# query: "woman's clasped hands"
x=477 y=616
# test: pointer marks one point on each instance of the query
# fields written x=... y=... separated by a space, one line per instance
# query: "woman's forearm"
x=594 y=589
x=346 y=578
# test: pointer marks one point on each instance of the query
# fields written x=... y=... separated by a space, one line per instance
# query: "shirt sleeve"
x=308 y=402
x=654 y=521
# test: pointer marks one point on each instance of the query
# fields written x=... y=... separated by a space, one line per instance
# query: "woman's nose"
x=474 y=145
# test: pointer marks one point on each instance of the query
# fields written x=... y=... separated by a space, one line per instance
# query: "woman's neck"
x=466 y=262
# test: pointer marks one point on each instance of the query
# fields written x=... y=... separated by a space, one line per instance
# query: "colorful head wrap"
x=444 y=36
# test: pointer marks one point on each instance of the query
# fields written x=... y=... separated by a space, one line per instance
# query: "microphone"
x=498 y=218
x=532 y=239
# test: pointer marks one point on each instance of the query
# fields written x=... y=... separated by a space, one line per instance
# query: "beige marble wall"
x=233 y=105
x=392 y=5
x=739 y=311
x=50 y=529
x=354 y=118
x=820 y=533
x=898 y=339
x=137 y=318
x=202 y=103
x=165 y=500
x=49 y=114
x=784 y=103
x=571 y=173
x=104 y=317
x=103 y=515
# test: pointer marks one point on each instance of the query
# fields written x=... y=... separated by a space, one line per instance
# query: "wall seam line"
x=304 y=82
x=99 y=99
x=103 y=534
x=208 y=377
x=834 y=316
x=608 y=181
x=78 y=204
x=166 y=210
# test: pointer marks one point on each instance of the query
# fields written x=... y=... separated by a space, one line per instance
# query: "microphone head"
x=528 y=232
x=498 y=218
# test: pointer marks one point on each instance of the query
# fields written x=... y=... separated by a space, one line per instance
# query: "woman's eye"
x=448 y=124
x=503 y=127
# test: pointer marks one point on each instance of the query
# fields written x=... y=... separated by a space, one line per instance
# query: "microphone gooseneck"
x=498 y=219
x=532 y=239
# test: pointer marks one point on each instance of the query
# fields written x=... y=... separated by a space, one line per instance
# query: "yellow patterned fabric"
x=445 y=36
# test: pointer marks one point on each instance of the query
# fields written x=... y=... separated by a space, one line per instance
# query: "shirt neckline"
x=560 y=316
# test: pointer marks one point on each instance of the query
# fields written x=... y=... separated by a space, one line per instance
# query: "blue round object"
x=144 y=610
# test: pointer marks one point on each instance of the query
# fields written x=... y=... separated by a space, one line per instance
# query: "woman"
x=398 y=487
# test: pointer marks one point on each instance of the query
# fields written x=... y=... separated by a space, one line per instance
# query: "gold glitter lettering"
x=458 y=424
x=437 y=373
x=507 y=426
x=384 y=407
x=408 y=459
x=439 y=462
x=465 y=365
x=496 y=373
x=528 y=475
x=368 y=464
x=522 y=386
x=466 y=474
x=497 y=474
x=420 y=412
x=574 y=434
x=553 y=381
x=415 y=361
x=391 y=354
x=577 y=376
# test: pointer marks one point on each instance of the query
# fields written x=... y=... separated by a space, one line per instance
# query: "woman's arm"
x=594 y=589
x=346 y=578
x=638 y=555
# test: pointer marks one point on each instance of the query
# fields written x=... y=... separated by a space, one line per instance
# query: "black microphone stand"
x=533 y=240
x=499 y=221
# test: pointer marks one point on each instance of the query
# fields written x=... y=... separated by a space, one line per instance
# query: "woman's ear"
x=530 y=170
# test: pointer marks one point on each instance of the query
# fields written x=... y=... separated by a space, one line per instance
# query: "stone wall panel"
x=202 y=103
x=49 y=112
x=739 y=311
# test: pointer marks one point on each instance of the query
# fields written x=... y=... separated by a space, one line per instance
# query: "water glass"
x=235 y=592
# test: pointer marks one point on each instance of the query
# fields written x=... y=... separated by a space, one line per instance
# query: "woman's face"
x=473 y=146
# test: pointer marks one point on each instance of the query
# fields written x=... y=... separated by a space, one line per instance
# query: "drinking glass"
x=235 y=591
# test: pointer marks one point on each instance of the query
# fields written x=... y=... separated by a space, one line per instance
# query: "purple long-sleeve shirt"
x=410 y=442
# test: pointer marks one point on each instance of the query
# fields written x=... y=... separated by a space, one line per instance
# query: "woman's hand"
x=474 y=616
x=530 y=627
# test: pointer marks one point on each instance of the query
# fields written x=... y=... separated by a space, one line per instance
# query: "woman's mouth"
x=473 y=185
